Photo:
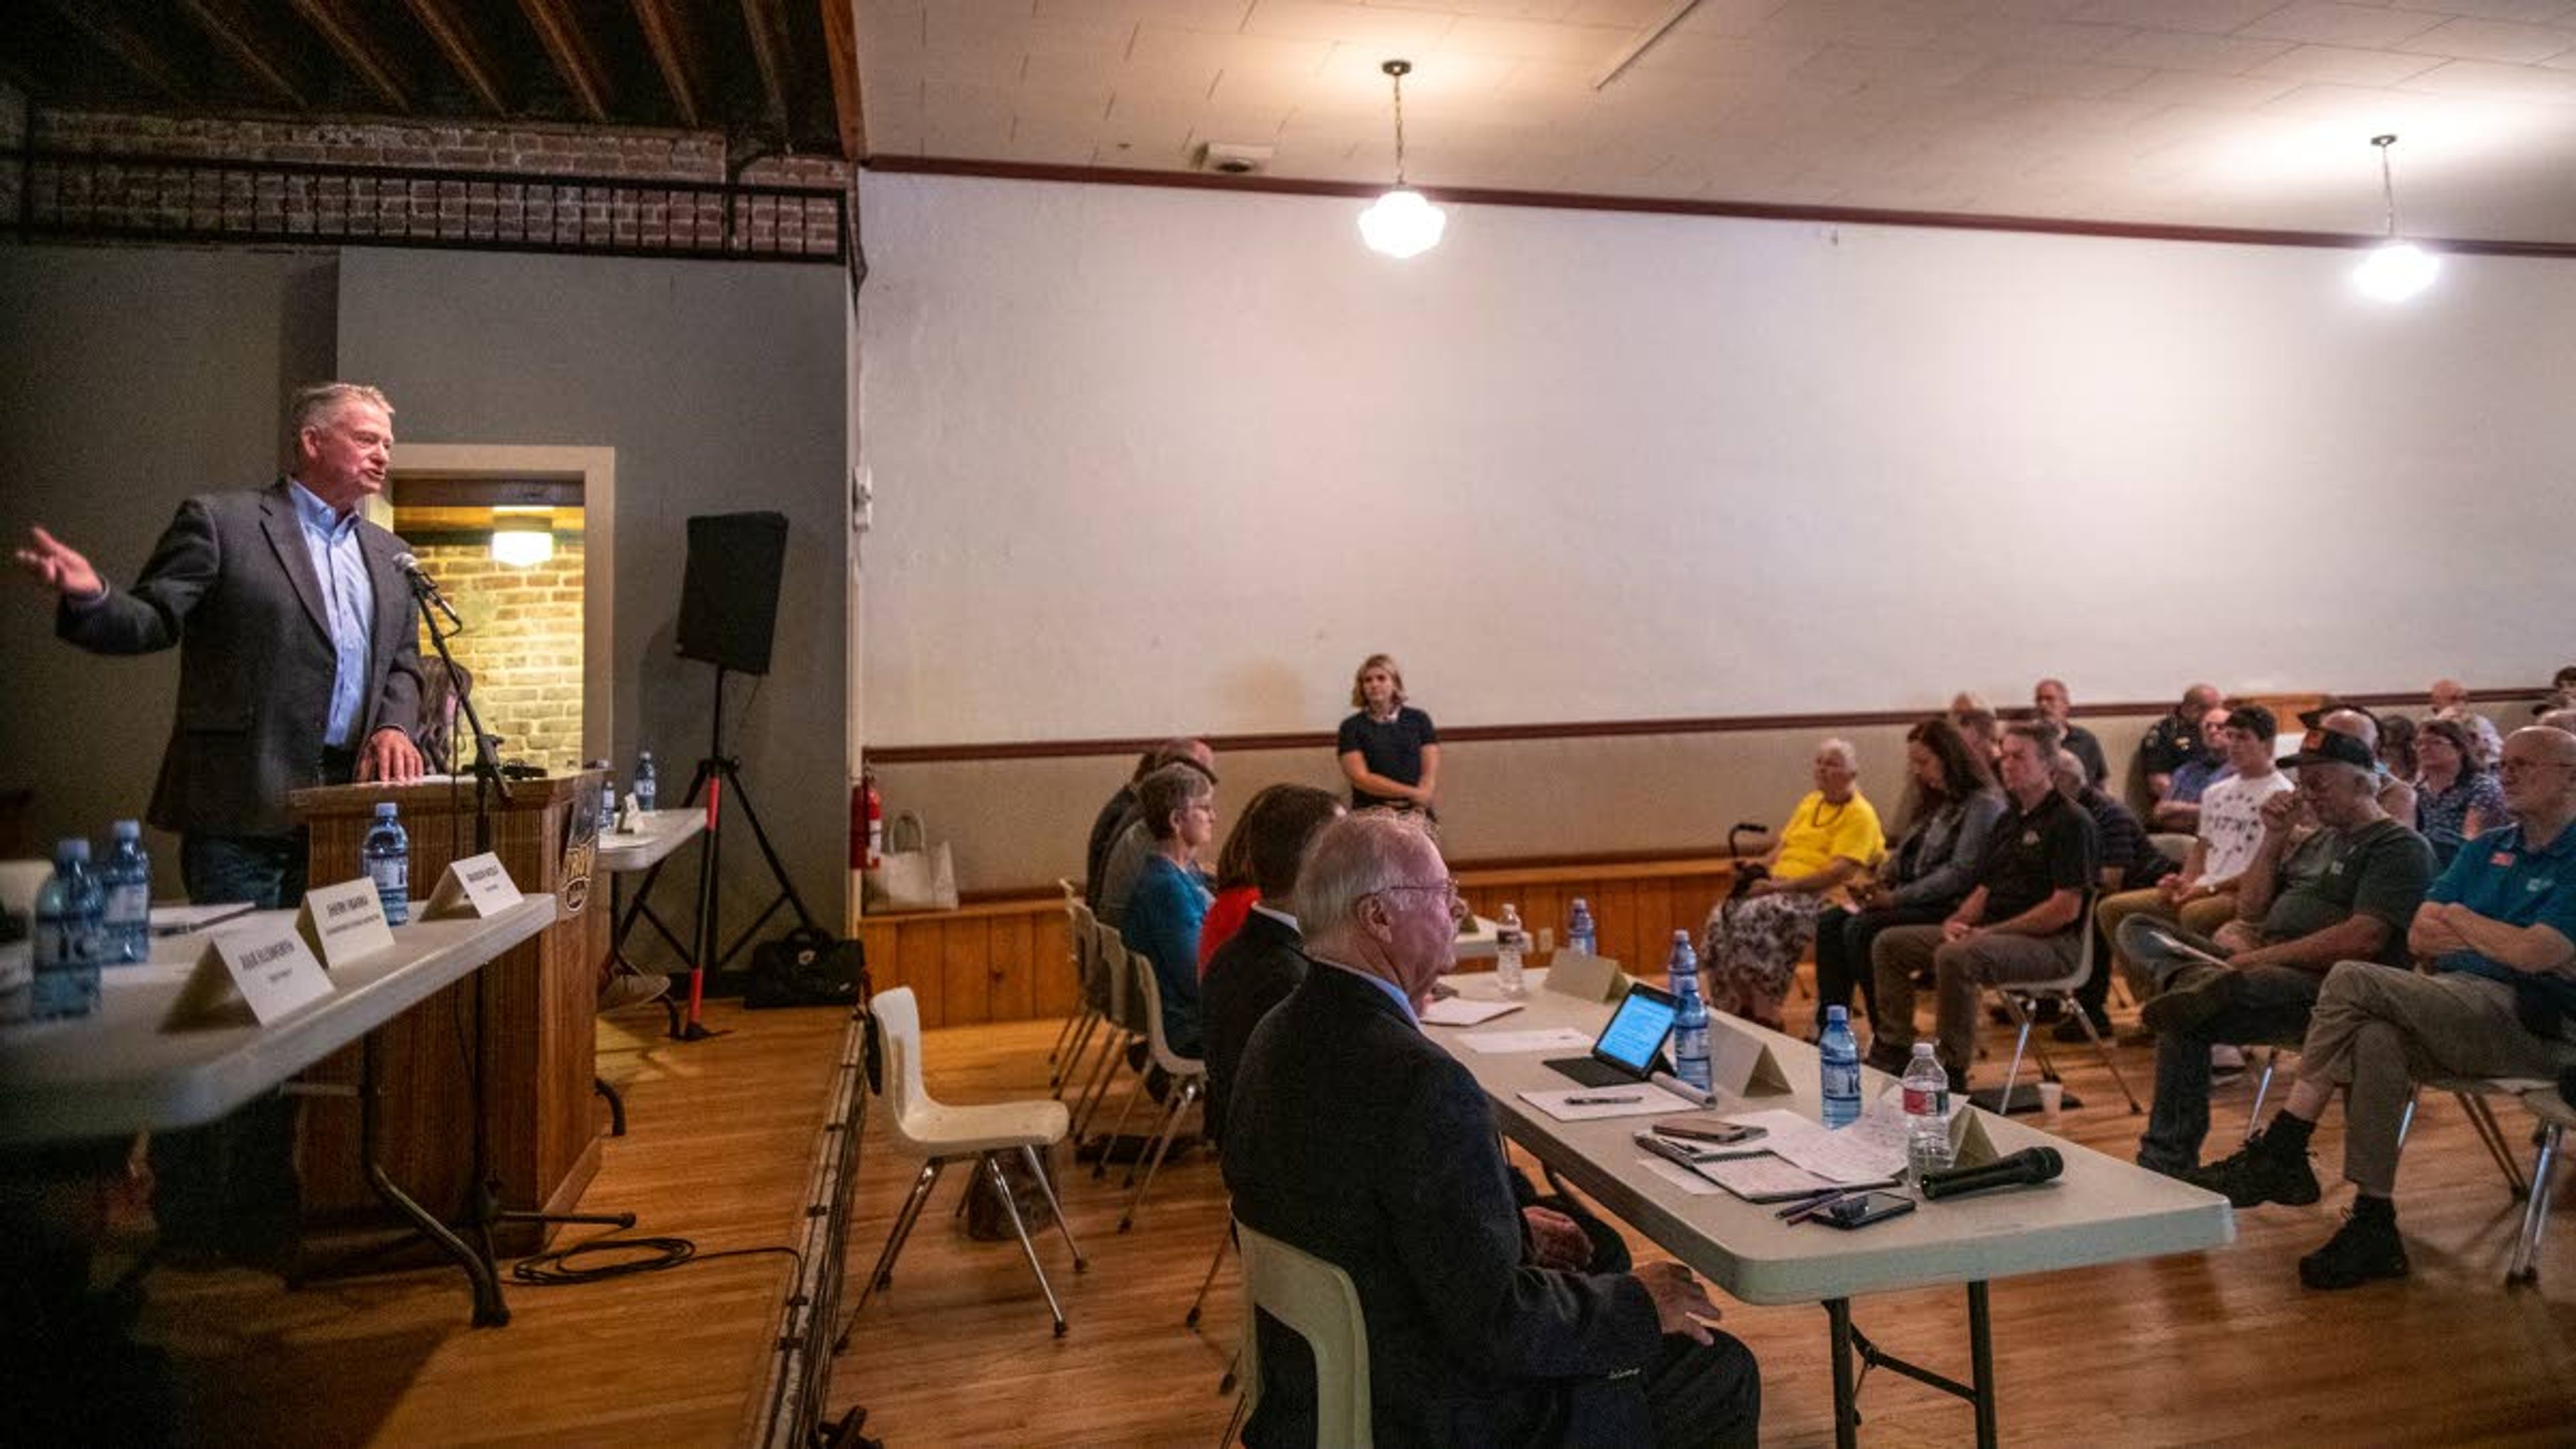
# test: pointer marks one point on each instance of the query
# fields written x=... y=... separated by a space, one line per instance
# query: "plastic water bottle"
x=1507 y=951
x=68 y=943
x=387 y=859
x=1841 y=1069
x=1927 y=1113
x=644 y=782
x=1579 y=934
x=127 y=880
x=607 y=795
x=1690 y=1024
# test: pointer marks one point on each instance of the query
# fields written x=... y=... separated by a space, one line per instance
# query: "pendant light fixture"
x=1401 y=224
x=2395 y=270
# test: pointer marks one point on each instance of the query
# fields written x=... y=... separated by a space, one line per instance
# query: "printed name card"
x=267 y=966
x=344 y=922
x=1740 y=1064
x=476 y=886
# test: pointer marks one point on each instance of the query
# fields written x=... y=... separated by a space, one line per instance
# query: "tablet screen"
x=1637 y=1029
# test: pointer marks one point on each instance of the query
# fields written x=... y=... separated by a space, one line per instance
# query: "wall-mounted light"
x=2395 y=270
x=1401 y=224
x=522 y=537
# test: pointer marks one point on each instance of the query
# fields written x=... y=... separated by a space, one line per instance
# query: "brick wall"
x=481 y=211
x=522 y=643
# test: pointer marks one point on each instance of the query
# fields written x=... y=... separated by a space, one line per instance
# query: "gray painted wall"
x=130 y=378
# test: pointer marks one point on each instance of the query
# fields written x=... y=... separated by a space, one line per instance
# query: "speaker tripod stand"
x=717 y=776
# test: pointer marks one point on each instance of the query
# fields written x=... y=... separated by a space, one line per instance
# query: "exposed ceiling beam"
x=354 y=44
x=251 y=45
x=116 y=35
x=455 y=38
x=568 y=46
x=766 y=20
x=841 y=56
x=676 y=51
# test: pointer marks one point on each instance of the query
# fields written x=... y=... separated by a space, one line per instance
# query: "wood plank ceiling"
x=779 y=74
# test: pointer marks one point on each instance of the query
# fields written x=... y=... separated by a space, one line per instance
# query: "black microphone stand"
x=486 y=1209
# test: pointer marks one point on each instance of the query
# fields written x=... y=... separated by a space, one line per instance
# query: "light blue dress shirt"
x=348 y=601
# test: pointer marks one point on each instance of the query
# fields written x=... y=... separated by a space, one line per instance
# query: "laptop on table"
x=1631 y=1046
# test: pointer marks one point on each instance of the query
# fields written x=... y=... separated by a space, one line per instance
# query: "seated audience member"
x=1983 y=730
x=2500 y=927
x=2562 y=691
x=1967 y=702
x=1389 y=750
x=2023 y=921
x=1236 y=886
x=2343 y=892
x=1756 y=935
x=2450 y=700
x=1120 y=842
x=2455 y=800
x=2175 y=738
x=2050 y=701
x=1260 y=964
x=2129 y=861
x=2177 y=808
x=2202 y=895
x=1951 y=809
x=1163 y=917
x=1353 y=1137
x=2558 y=719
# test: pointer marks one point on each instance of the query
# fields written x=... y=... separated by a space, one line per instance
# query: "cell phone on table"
x=1861 y=1209
x=1721 y=1133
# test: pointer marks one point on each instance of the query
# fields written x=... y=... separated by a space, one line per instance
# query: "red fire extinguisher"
x=867 y=823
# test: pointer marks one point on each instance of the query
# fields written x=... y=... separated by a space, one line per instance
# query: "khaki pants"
x=1960 y=972
x=2202 y=917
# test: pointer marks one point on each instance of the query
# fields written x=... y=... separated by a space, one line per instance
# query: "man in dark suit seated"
x=1350 y=1135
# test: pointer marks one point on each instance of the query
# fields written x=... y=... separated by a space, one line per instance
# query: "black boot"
x=2365 y=1248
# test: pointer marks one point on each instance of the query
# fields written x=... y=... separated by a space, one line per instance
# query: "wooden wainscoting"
x=1007 y=960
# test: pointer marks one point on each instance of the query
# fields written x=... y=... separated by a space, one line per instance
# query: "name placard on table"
x=344 y=922
x=266 y=967
x=477 y=886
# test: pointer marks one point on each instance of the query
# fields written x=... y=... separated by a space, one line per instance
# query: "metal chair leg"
x=2482 y=1117
x=2021 y=1041
x=1100 y=1167
x=1064 y=1033
x=1037 y=1169
x=1214 y=1263
x=2525 y=1267
x=992 y=1165
x=1068 y=1071
x=883 y=1273
x=2102 y=1049
x=1103 y=1070
x=1181 y=1100
x=2262 y=1089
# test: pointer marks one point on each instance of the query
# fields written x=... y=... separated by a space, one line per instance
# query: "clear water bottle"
x=127 y=880
x=644 y=781
x=1841 y=1066
x=1508 y=944
x=68 y=943
x=607 y=795
x=1579 y=934
x=1690 y=1024
x=387 y=860
x=1927 y=1114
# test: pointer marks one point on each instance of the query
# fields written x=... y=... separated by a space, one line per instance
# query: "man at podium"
x=299 y=661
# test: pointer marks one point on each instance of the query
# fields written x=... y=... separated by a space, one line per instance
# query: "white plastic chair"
x=1120 y=1015
x=1318 y=1302
x=2016 y=997
x=1188 y=1080
x=943 y=1134
x=1082 y=951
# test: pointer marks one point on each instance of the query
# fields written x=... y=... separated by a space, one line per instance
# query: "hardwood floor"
x=2216 y=1348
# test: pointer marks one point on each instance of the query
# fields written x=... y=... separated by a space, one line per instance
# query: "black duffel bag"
x=806 y=967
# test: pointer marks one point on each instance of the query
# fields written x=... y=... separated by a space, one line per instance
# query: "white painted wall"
x=1150 y=459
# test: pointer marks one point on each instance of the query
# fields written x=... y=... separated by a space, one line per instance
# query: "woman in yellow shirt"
x=1754 y=939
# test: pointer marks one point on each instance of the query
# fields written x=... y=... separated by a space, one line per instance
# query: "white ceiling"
x=2230 y=113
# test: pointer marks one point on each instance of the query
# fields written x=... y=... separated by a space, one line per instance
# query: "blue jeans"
x=1843 y=939
x=2272 y=1006
x=265 y=870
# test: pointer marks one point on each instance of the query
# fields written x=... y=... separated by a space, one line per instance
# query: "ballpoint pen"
x=1806 y=1210
x=1603 y=1101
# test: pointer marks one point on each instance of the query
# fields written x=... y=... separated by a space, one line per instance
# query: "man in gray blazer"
x=299 y=661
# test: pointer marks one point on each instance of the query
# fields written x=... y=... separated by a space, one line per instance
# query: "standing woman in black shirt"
x=1389 y=751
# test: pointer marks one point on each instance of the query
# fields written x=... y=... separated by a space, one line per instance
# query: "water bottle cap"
x=127 y=829
x=1681 y=938
x=1578 y=904
x=385 y=810
x=645 y=755
x=1923 y=1049
x=71 y=848
x=1837 y=1016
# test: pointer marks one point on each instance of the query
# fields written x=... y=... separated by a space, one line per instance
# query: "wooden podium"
x=537 y=1001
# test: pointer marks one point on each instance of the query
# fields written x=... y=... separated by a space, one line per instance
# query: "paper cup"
x=2052 y=1099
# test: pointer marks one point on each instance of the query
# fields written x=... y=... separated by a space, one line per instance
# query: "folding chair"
x=2017 y=998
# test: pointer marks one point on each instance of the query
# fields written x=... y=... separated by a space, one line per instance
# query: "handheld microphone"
x=2028 y=1167
x=425 y=588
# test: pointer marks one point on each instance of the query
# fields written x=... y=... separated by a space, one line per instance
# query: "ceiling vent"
x=1227 y=158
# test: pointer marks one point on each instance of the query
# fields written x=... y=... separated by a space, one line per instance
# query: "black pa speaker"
x=729 y=596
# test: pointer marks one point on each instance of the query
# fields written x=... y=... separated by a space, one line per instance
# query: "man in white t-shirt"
x=2202 y=895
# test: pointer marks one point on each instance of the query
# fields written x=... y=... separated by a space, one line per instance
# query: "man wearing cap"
x=2396 y=796
x=2202 y=895
x=2500 y=928
x=2343 y=891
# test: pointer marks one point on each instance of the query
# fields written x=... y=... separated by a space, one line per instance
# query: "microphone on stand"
x=2030 y=1166
x=425 y=588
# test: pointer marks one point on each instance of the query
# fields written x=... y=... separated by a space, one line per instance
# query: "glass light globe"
x=2395 y=272
x=522 y=547
x=1402 y=224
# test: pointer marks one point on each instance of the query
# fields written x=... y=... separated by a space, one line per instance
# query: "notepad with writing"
x=1460 y=1011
